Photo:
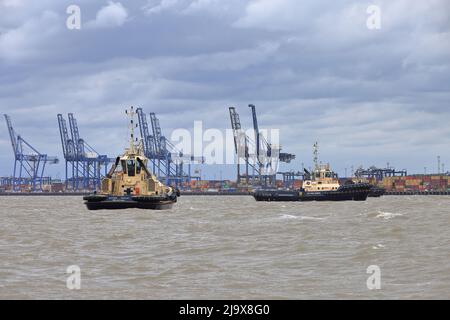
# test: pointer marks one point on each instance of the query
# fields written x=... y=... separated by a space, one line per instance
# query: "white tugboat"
x=321 y=185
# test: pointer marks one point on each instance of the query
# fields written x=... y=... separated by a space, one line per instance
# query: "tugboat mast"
x=131 y=114
x=316 y=155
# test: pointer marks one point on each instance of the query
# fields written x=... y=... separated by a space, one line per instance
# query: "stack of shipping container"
x=418 y=183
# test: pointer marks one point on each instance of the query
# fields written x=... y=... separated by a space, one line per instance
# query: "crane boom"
x=12 y=135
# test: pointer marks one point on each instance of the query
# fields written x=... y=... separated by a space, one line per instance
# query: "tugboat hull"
x=357 y=192
x=335 y=196
x=377 y=192
x=94 y=202
x=276 y=195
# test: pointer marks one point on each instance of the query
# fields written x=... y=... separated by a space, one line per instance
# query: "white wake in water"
x=388 y=215
x=289 y=216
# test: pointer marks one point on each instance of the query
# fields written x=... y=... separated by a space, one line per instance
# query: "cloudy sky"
x=313 y=69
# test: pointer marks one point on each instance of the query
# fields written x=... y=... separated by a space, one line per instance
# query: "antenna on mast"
x=131 y=114
x=316 y=155
x=439 y=164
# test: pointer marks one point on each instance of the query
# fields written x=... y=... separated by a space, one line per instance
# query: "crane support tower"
x=84 y=167
x=29 y=163
x=264 y=162
x=167 y=162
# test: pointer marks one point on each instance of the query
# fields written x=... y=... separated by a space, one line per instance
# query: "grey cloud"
x=312 y=68
x=112 y=15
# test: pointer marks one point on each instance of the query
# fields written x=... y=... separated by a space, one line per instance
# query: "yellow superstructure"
x=322 y=179
x=130 y=176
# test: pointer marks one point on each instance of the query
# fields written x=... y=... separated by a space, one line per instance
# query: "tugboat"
x=322 y=185
x=129 y=183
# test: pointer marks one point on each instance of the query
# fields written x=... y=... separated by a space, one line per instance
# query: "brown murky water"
x=226 y=248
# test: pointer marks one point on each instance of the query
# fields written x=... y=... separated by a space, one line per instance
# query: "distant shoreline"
x=61 y=194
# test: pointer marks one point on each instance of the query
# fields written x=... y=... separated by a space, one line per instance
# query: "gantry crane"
x=84 y=167
x=167 y=161
x=241 y=146
x=29 y=164
x=264 y=163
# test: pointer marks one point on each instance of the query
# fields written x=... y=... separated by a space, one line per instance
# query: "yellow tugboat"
x=129 y=183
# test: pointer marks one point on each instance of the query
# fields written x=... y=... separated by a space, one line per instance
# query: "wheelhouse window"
x=131 y=168
x=138 y=167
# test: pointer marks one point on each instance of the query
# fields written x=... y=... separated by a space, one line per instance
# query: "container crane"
x=168 y=162
x=83 y=163
x=29 y=164
x=268 y=155
x=241 y=146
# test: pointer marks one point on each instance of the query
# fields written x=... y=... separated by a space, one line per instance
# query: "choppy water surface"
x=226 y=248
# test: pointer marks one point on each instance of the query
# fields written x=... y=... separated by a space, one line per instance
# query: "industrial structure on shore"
x=260 y=157
x=166 y=161
x=83 y=165
x=257 y=164
x=29 y=164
